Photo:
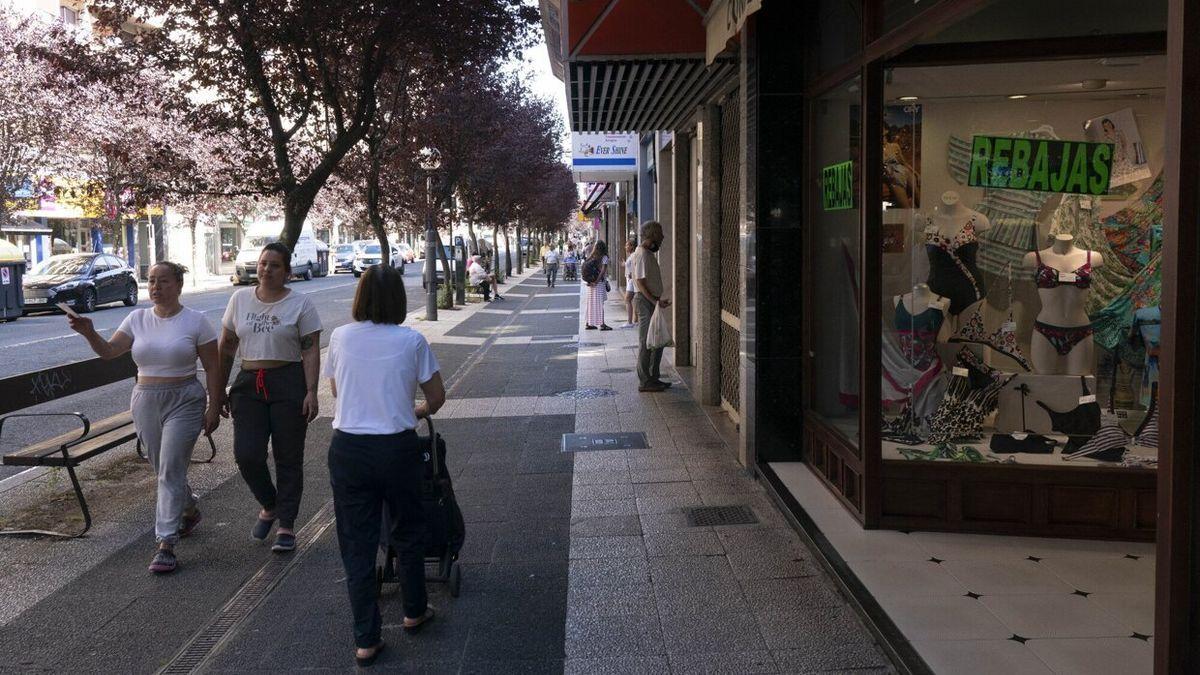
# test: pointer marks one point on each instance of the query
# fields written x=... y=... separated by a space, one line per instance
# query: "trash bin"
x=12 y=268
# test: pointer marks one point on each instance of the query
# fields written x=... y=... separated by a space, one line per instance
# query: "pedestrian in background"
x=630 y=287
x=168 y=402
x=276 y=332
x=375 y=458
x=595 y=275
x=569 y=263
x=551 y=261
x=648 y=279
x=480 y=277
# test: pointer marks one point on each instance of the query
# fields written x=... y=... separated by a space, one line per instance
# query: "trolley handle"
x=433 y=453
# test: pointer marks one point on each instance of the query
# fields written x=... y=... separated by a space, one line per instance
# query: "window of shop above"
x=1022 y=231
x=834 y=274
x=1034 y=19
x=834 y=34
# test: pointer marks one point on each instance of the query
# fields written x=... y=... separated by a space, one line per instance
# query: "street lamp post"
x=431 y=161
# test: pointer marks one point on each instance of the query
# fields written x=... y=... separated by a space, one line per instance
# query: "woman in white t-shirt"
x=168 y=402
x=276 y=333
x=375 y=366
x=630 y=287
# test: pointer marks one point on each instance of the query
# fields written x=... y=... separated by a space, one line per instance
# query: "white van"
x=304 y=255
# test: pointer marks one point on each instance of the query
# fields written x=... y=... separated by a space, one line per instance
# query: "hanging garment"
x=1109 y=281
x=1115 y=321
x=1147 y=331
x=971 y=395
x=1135 y=232
x=1147 y=433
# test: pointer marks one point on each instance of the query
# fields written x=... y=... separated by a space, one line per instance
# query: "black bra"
x=1082 y=420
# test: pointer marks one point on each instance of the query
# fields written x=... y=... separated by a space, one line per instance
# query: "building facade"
x=934 y=260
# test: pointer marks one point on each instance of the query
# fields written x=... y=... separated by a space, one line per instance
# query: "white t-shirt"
x=166 y=347
x=629 y=285
x=552 y=258
x=645 y=266
x=270 y=331
x=376 y=368
x=476 y=273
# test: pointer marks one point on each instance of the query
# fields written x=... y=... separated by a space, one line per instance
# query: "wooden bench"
x=71 y=449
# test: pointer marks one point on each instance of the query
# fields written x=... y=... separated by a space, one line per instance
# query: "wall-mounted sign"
x=604 y=158
x=837 y=186
x=1041 y=164
x=724 y=20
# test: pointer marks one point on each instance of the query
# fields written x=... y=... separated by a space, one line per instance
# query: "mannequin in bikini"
x=952 y=244
x=1062 y=333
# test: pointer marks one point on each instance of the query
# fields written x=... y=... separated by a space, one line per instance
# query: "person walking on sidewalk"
x=375 y=366
x=276 y=332
x=595 y=275
x=648 y=278
x=551 y=267
x=168 y=402
x=630 y=286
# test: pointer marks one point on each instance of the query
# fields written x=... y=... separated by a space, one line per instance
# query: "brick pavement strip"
x=577 y=562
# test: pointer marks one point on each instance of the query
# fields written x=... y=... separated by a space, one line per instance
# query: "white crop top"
x=166 y=347
x=270 y=331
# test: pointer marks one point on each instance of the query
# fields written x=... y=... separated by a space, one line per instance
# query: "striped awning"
x=641 y=95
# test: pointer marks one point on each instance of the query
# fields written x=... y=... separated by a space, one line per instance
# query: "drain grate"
x=586 y=393
x=625 y=440
x=708 y=516
x=616 y=370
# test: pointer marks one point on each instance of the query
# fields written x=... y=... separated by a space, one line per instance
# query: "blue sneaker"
x=262 y=527
x=284 y=542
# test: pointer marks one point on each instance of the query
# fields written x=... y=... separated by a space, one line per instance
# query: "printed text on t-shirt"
x=262 y=322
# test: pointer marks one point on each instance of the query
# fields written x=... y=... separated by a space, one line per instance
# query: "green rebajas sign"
x=1044 y=165
x=837 y=186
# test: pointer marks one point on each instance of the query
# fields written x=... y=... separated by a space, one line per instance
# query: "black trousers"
x=369 y=473
x=485 y=287
x=267 y=406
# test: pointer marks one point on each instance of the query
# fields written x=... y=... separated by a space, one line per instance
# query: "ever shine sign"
x=837 y=186
x=1040 y=164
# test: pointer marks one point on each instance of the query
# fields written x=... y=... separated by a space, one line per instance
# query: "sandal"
x=605 y=326
x=367 y=661
x=262 y=527
x=284 y=542
x=414 y=628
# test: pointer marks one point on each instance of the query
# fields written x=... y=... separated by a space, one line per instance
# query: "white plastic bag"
x=659 y=334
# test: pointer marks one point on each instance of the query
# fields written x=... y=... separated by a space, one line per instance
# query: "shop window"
x=836 y=34
x=1021 y=248
x=835 y=270
x=1033 y=19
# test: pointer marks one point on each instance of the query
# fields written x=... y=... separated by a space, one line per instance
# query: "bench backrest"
x=29 y=389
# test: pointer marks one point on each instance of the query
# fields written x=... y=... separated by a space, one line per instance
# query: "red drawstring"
x=260 y=383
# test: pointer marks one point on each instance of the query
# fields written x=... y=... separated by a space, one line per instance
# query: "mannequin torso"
x=1062 y=338
x=952 y=245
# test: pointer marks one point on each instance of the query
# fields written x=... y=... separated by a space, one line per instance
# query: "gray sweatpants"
x=168 y=419
x=649 y=360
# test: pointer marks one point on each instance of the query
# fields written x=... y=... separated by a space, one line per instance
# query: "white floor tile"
x=1006 y=578
x=876 y=545
x=836 y=519
x=962 y=546
x=943 y=618
x=906 y=578
x=980 y=657
x=1097 y=656
x=1117 y=575
x=1054 y=616
x=1134 y=610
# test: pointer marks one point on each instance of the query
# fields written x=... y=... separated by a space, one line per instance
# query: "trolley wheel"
x=455 y=582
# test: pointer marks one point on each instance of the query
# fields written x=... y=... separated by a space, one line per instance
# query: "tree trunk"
x=507 y=254
x=474 y=239
x=373 y=214
x=520 y=266
x=496 y=253
x=447 y=279
x=296 y=206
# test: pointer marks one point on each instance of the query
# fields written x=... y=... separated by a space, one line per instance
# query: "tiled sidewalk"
x=648 y=593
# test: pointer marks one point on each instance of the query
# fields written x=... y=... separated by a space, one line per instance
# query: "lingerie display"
x=971 y=395
x=1079 y=423
x=1003 y=340
x=953 y=272
x=1024 y=441
x=1063 y=338
x=911 y=364
x=1147 y=329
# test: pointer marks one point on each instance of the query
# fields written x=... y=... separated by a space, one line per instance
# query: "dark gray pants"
x=267 y=406
x=369 y=473
x=649 y=360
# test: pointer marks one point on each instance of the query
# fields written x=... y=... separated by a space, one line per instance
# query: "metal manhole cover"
x=586 y=393
x=707 y=516
x=616 y=370
x=626 y=440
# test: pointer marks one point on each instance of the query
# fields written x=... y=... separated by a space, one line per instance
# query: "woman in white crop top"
x=276 y=333
x=375 y=458
x=168 y=403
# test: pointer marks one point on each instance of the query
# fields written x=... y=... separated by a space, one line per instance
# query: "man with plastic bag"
x=654 y=332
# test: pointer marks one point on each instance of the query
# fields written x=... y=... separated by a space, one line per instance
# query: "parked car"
x=82 y=280
x=343 y=258
x=372 y=254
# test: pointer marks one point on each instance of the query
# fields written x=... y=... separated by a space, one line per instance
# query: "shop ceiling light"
x=909 y=98
x=1018 y=96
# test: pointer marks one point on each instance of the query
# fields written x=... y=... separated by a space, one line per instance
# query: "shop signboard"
x=604 y=158
x=1040 y=164
x=837 y=186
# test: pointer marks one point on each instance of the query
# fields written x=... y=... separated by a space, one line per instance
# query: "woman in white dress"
x=598 y=287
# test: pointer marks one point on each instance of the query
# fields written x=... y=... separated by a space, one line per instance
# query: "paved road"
x=44 y=340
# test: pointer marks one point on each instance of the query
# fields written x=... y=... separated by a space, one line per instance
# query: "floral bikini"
x=1063 y=338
